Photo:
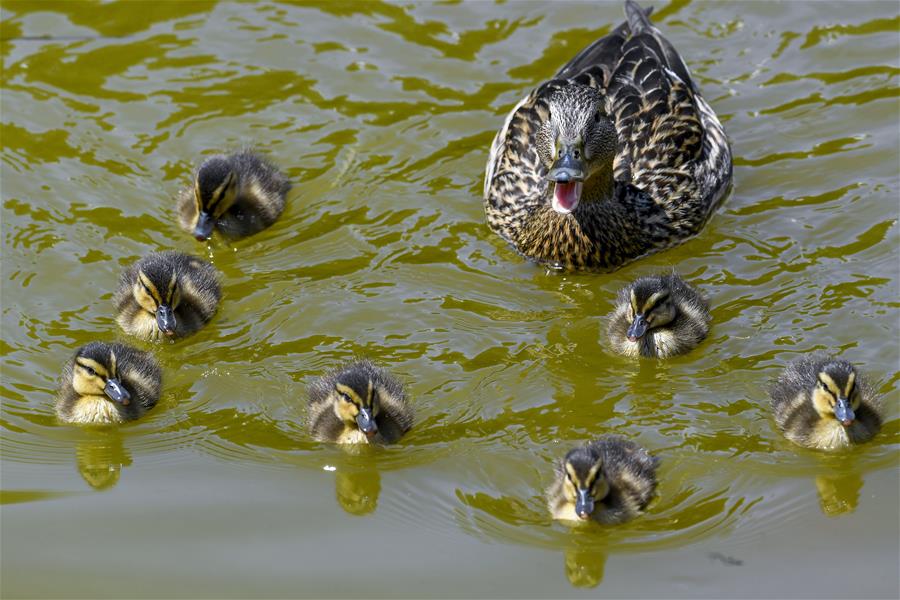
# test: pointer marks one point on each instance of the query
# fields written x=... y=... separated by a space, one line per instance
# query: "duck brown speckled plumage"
x=637 y=158
x=822 y=402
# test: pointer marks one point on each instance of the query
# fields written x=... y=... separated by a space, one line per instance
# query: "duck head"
x=651 y=306
x=584 y=483
x=836 y=394
x=95 y=373
x=215 y=190
x=576 y=142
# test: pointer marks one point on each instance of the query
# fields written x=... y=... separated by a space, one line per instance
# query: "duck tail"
x=641 y=26
x=638 y=18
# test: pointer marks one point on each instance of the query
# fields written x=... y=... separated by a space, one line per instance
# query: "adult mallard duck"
x=239 y=194
x=107 y=383
x=616 y=157
x=610 y=480
x=166 y=293
x=358 y=403
x=658 y=316
x=822 y=402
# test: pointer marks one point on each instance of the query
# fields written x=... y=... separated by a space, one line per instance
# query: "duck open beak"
x=165 y=319
x=366 y=422
x=117 y=392
x=843 y=412
x=568 y=174
x=203 y=228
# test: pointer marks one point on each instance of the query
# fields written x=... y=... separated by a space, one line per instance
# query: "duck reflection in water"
x=585 y=567
x=100 y=460
x=838 y=494
x=357 y=491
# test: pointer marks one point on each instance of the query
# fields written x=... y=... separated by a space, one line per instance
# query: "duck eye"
x=90 y=371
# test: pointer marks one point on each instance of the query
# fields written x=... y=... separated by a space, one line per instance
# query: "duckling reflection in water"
x=239 y=194
x=358 y=403
x=167 y=294
x=100 y=461
x=108 y=383
x=658 y=317
x=358 y=492
x=585 y=568
x=610 y=480
x=838 y=495
x=822 y=402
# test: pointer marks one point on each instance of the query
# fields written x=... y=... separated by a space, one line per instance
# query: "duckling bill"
x=658 y=317
x=823 y=403
x=610 y=480
x=108 y=383
x=359 y=403
x=166 y=294
x=237 y=194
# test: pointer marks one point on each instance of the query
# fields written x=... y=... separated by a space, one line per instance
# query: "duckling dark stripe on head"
x=350 y=393
x=171 y=291
x=655 y=299
x=92 y=365
x=149 y=287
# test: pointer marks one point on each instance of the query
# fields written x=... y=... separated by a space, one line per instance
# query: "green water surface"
x=382 y=115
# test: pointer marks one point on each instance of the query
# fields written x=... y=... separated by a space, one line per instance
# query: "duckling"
x=166 y=293
x=239 y=194
x=658 y=316
x=618 y=156
x=108 y=383
x=610 y=480
x=358 y=403
x=822 y=402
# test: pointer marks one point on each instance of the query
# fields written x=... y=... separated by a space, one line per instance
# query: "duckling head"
x=356 y=401
x=584 y=483
x=575 y=143
x=836 y=395
x=157 y=291
x=652 y=306
x=215 y=190
x=95 y=374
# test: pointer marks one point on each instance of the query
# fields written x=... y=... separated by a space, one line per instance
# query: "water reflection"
x=357 y=493
x=839 y=494
x=585 y=567
x=100 y=459
x=357 y=480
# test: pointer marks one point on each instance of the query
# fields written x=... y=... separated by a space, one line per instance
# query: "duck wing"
x=671 y=144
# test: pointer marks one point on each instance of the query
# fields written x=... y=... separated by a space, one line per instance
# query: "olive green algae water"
x=382 y=115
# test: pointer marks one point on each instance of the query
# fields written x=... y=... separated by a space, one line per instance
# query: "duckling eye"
x=346 y=398
x=89 y=371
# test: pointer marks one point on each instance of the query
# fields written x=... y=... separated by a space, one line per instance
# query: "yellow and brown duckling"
x=616 y=157
x=239 y=194
x=108 y=383
x=166 y=294
x=822 y=402
x=610 y=480
x=657 y=317
x=358 y=403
